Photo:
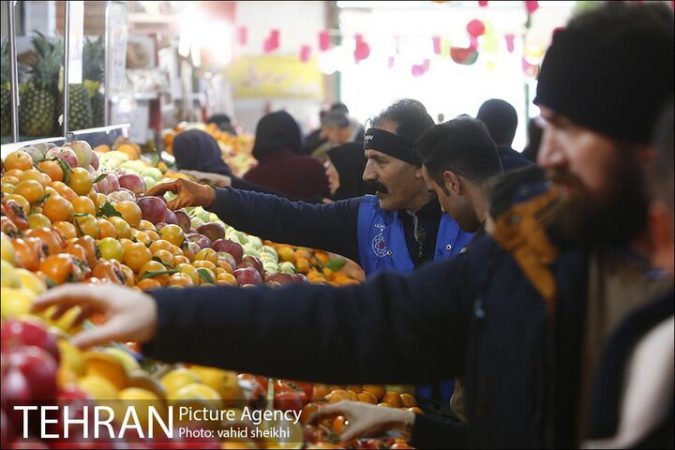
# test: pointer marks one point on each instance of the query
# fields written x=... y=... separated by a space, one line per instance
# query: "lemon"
x=10 y=278
x=16 y=302
x=31 y=281
x=178 y=378
x=98 y=387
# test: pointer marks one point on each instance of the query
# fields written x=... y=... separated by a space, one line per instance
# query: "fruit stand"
x=73 y=210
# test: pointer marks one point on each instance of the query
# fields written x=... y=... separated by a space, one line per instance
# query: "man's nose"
x=551 y=153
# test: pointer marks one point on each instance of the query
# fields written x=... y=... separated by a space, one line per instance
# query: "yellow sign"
x=275 y=76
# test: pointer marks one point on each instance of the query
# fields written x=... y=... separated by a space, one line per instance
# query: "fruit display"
x=74 y=215
x=236 y=150
x=5 y=94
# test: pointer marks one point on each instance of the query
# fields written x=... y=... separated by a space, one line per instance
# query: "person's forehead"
x=370 y=153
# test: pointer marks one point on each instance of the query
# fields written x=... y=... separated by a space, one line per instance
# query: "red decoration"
x=437 y=44
x=530 y=70
x=482 y=3
x=324 y=40
x=476 y=28
x=418 y=70
x=272 y=41
x=242 y=35
x=509 y=42
x=362 y=50
x=305 y=53
x=466 y=56
x=531 y=6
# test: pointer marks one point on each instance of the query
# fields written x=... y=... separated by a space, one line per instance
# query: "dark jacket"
x=461 y=317
x=276 y=147
x=511 y=159
x=332 y=227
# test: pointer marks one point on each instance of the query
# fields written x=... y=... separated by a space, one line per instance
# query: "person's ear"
x=452 y=182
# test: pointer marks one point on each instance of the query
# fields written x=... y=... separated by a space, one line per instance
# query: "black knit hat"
x=611 y=71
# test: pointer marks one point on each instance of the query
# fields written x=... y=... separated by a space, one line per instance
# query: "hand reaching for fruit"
x=131 y=315
x=365 y=419
x=188 y=193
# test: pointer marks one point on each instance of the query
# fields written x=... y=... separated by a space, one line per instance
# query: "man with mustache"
x=522 y=315
x=400 y=228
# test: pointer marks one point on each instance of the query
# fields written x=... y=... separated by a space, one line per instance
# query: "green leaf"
x=66 y=169
x=100 y=177
x=43 y=198
x=107 y=210
x=205 y=275
x=155 y=273
x=79 y=228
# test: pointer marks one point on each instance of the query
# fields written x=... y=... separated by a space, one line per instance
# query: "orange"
x=18 y=160
x=367 y=397
x=37 y=220
x=130 y=212
x=180 y=279
x=31 y=190
x=34 y=174
x=160 y=244
x=10 y=180
x=106 y=229
x=100 y=200
x=377 y=391
x=337 y=396
x=64 y=190
x=145 y=225
x=141 y=236
x=178 y=259
x=408 y=400
x=164 y=256
x=392 y=398
x=83 y=205
x=206 y=254
x=319 y=392
x=136 y=255
x=204 y=264
x=152 y=235
x=355 y=388
x=102 y=148
x=67 y=229
x=121 y=226
x=20 y=199
x=87 y=225
x=226 y=279
x=80 y=181
x=52 y=169
x=16 y=173
x=128 y=150
x=173 y=234
x=415 y=409
x=149 y=283
x=57 y=208
x=338 y=426
x=190 y=271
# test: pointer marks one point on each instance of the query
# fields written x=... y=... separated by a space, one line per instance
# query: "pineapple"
x=79 y=107
x=93 y=54
x=5 y=100
x=37 y=114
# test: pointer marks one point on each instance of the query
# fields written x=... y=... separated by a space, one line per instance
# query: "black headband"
x=392 y=145
x=615 y=87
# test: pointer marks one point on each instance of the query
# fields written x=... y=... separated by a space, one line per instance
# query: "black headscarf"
x=350 y=162
x=198 y=150
x=276 y=131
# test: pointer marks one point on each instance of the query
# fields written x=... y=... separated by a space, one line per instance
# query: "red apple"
x=248 y=276
x=199 y=239
x=224 y=256
x=213 y=230
x=280 y=278
x=102 y=186
x=133 y=182
x=15 y=391
x=170 y=217
x=94 y=160
x=299 y=278
x=153 y=209
x=65 y=154
x=7 y=432
x=121 y=195
x=113 y=182
x=17 y=333
x=183 y=220
x=231 y=247
x=251 y=261
x=39 y=369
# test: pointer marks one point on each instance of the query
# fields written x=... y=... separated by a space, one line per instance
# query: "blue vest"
x=382 y=244
x=382 y=247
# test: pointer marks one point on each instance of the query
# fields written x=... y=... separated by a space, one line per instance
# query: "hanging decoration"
x=475 y=28
x=391 y=61
x=417 y=70
x=305 y=53
x=465 y=56
x=531 y=6
x=482 y=3
x=242 y=36
x=436 y=40
x=510 y=42
x=362 y=49
x=530 y=70
x=324 y=40
x=272 y=41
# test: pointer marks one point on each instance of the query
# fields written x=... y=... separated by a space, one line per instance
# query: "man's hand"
x=188 y=193
x=131 y=315
x=367 y=420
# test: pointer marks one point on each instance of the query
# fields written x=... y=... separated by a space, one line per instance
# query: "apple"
x=247 y=276
x=133 y=182
x=34 y=153
x=290 y=400
x=170 y=218
x=7 y=431
x=65 y=154
x=280 y=278
x=16 y=333
x=39 y=369
x=83 y=152
x=199 y=239
x=113 y=182
x=251 y=261
x=121 y=195
x=102 y=186
x=231 y=247
x=226 y=257
x=213 y=230
x=15 y=388
x=299 y=277
x=153 y=209
x=94 y=160
x=183 y=220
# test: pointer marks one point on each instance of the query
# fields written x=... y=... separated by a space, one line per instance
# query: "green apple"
x=287 y=267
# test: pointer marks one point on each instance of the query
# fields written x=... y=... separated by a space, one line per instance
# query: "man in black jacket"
x=501 y=120
x=516 y=315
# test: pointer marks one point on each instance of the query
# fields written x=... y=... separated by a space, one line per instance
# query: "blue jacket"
x=475 y=316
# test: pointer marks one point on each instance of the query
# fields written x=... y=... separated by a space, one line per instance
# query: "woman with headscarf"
x=280 y=167
x=197 y=154
x=344 y=168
